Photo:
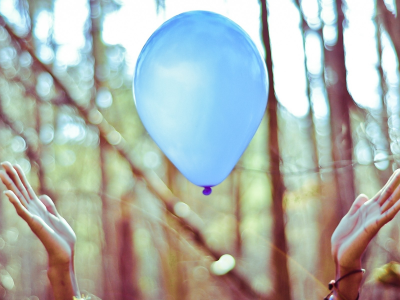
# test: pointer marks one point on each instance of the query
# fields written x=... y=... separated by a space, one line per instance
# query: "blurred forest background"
x=331 y=131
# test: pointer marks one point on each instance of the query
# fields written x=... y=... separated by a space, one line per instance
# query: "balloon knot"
x=207 y=190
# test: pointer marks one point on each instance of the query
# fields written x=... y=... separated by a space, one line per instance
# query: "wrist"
x=62 y=278
x=60 y=265
x=344 y=268
x=348 y=281
x=61 y=259
x=57 y=271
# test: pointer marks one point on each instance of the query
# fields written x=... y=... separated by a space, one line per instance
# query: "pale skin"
x=357 y=228
x=349 y=241
x=52 y=230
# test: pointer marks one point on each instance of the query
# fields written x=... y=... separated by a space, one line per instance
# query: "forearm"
x=63 y=281
x=348 y=288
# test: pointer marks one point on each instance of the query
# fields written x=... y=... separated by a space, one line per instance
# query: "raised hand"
x=53 y=231
x=359 y=226
x=363 y=221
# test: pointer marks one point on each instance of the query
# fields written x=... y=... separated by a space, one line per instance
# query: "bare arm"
x=357 y=228
x=53 y=231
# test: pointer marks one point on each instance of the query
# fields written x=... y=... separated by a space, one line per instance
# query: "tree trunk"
x=177 y=273
x=3 y=257
x=339 y=101
x=391 y=23
x=235 y=181
x=237 y=192
x=110 y=263
x=281 y=282
x=109 y=276
x=129 y=289
x=309 y=117
x=384 y=175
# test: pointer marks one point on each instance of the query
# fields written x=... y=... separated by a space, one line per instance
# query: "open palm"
x=363 y=221
x=40 y=214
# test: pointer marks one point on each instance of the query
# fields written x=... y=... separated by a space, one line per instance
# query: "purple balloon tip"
x=207 y=190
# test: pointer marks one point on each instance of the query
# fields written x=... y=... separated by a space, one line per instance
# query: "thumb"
x=49 y=204
x=360 y=200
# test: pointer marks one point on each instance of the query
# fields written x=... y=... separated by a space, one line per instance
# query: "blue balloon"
x=201 y=89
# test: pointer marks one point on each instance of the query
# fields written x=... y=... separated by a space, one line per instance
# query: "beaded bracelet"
x=333 y=283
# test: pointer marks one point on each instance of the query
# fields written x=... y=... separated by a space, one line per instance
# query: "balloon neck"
x=207 y=190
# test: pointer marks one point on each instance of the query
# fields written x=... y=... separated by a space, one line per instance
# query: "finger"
x=394 y=197
x=384 y=193
x=21 y=210
x=40 y=228
x=389 y=187
x=12 y=173
x=35 y=223
x=25 y=182
x=11 y=186
x=390 y=214
x=49 y=204
x=378 y=194
x=360 y=200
